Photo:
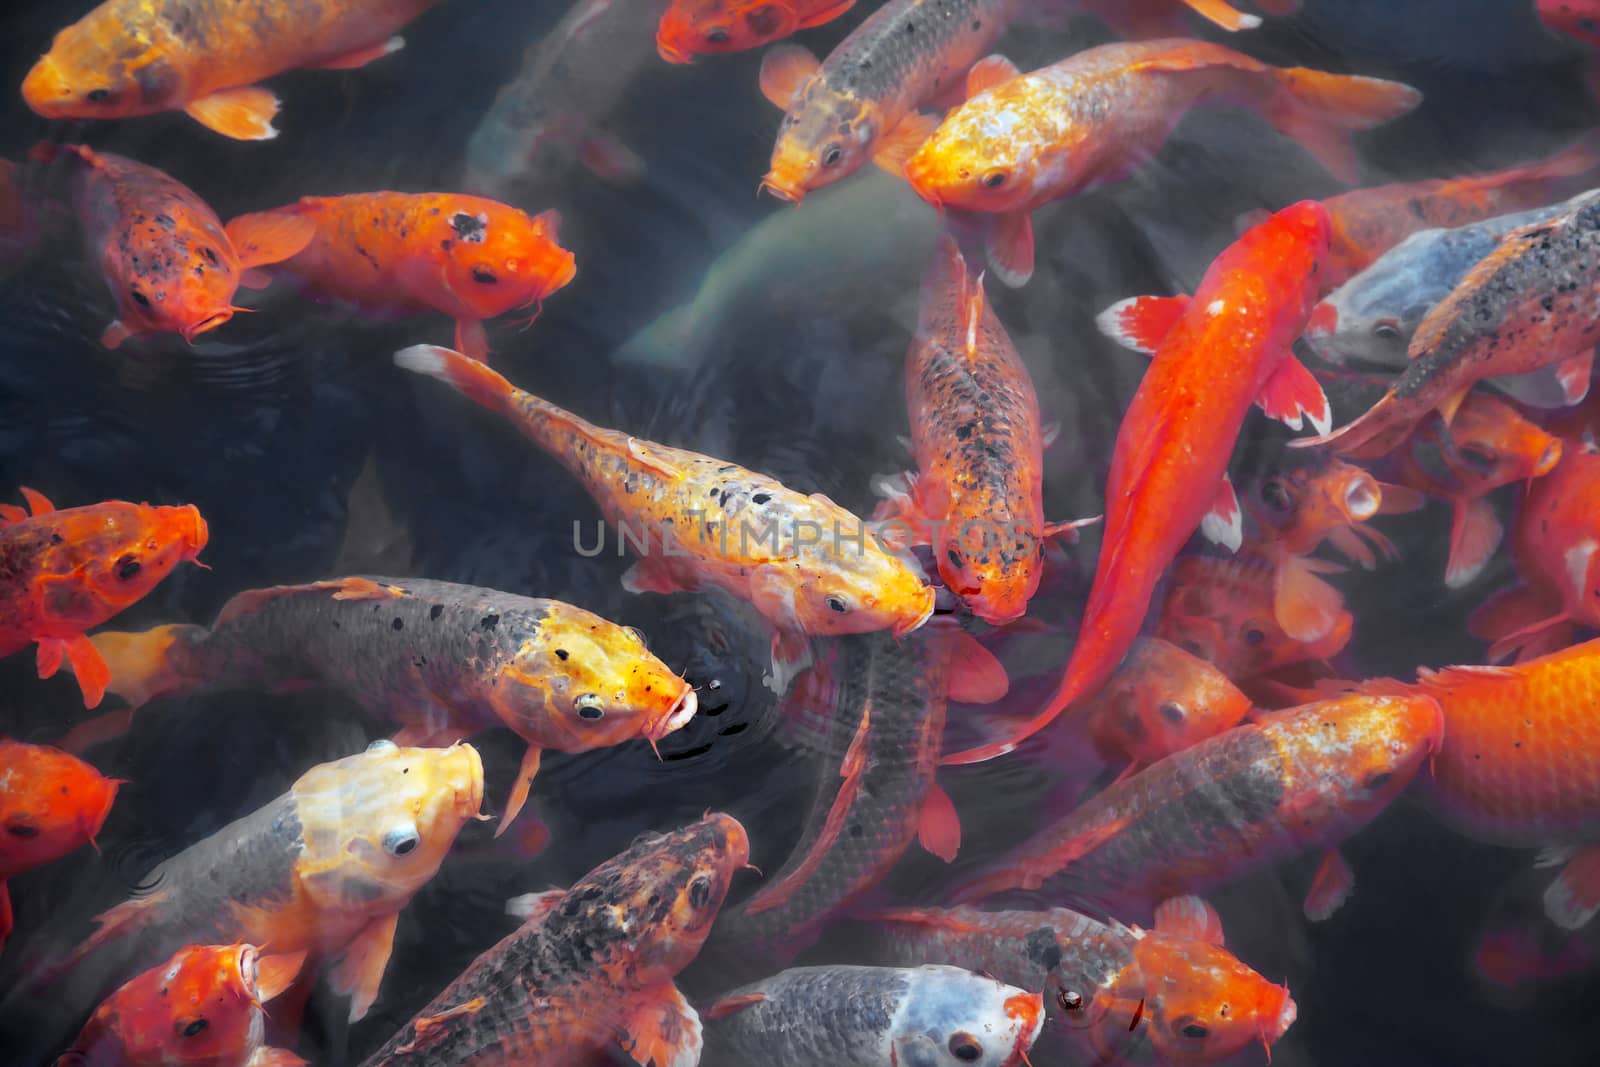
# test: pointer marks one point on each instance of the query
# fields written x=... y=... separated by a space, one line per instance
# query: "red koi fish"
x=977 y=496
x=691 y=28
x=65 y=572
x=1302 y=780
x=169 y=264
x=1214 y=356
x=1023 y=140
x=405 y=253
x=201 y=1008
x=51 y=803
x=203 y=57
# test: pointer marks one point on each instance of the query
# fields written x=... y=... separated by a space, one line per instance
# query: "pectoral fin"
x=661 y=1027
x=1142 y=322
x=1292 y=395
x=974 y=675
x=939 y=828
x=360 y=57
x=360 y=971
x=1330 y=887
x=519 y=790
x=902 y=142
x=1224 y=523
x=1574 y=897
x=1475 y=533
x=245 y=113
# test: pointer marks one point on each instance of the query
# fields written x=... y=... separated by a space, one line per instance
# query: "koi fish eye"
x=1069 y=1000
x=954 y=557
x=1276 y=495
x=838 y=604
x=994 y=179
x=717 y=35
x=98 y=96
x=700 y=892
x=192 y=1028
x=1172 y=712
x=832 y=154
x=1386 y=330
x=1191 y=1028
x=128 y=569
x=401 y=840
x=23 y=830
x=1379 y=780
x=1478 y=457
x=964 y=1047
x=1254 y=635
x=383 y=744
x=636 y=635
x=139 y=298
x=484 y=276
x=590 y=707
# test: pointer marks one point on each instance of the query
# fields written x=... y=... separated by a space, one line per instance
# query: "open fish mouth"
x=675 y=719
x=781 y=189
x=1361 y=498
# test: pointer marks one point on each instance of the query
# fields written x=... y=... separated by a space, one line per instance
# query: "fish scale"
x=907 y=52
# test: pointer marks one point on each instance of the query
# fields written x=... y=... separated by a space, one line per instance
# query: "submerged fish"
x=691 y=28
x=323 y=870
x=1520 y=764
x=977 y=495
x=51 y=803
x=1174 y=986
x=65 y=572
x=1256 y=795
x=1023 y=140
x=810 y=567
x=591 y=966
x=203 y=57
x=868 y=1016
x=1213 y=357
x=464 y=256
x=201 y=1008
x=445 y=660
x=164 y=255
x=1533 y=302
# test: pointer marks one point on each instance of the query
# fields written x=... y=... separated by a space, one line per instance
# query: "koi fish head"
x=51 y=803
x=200 y=1007
x=175 y=273
x=822 y=139
x=111 y=555
x=666 y=890
x=1372 y=325
x=1202 y=1004
x=953 y=1017
x=690 y=28
x=988 y=154
x=1496 y=446
x=1366 y=747
x=494 y=258
x=377 y=825
x=996 y=578
x=583 y=682
x=1162 y=700
x=1299 y=506
x=844 y=592
x=88 y=73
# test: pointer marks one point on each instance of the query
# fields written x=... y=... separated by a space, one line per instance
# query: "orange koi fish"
x=1369 y=222
x=203 y=57
x=65 y=572
x=1578 y=19
x=1533 y=302
x=1305 y=779
x=1295 y=511
x=1556 y=546
x=51 y=803
x=1214 y=356
x=1487 y=446
x=1021 y=141
x=201 y=1008
x=692 y=28
x=323 y=870
x=590 y=967
x=810 y=567
x=469 y=659
x=169 y=264
x=977 y=496
x=1520 y=764
x=1161 y=700
x=406 y=253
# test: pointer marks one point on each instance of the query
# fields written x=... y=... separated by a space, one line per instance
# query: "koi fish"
x=1554 y=544
x=1578 y=19
x=1520 y=764
x=51 y=803
x=1174 y=987
x=550 y=117
x=1372 y=317
x=445 y=660
x=169 y=264
x=801 y=587
x=979 y=449
x=1296 y=509
x=866 y=1016
x=1258 y=794
x=1488 y=445
x=323 y=870
x=203 y=57
x=691 y=28
x=1097 y=116
x=1213 y=356
x=462 y=256
x=65 y=572
x=1160 y=701
x=201 y=1008
x=590 y=966
x=1533 y=302
x=1224 y=611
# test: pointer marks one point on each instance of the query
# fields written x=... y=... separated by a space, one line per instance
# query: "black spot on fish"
x=447 y=244
x=399 y=623
x=562 y=654
x=489 y=622
x=1043 y=948
x=761 y=498
x=435 y=611
x=470 y=228
x=55 y=539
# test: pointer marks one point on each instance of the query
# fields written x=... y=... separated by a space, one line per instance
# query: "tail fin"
x=141 y=663
x=465 y=375
x=1321 y=110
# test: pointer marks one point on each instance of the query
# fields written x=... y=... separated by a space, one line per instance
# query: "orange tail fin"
x=464 y=374
x=1321 y=110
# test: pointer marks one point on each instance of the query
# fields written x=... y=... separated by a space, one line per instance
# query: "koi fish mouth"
x=1275 y=1029
x=671 y=52
x=781 y=189
x=210 y=322
x=1028 y=1010
x=901 y=629
x=1361 y=498
x=249 y=973
x=676 y=718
